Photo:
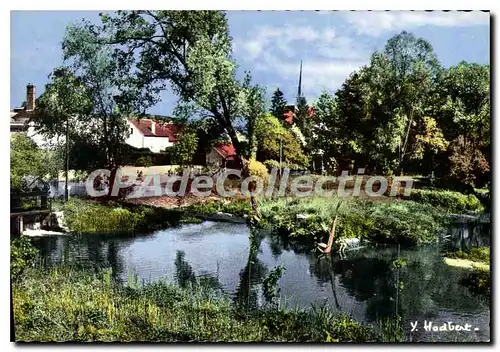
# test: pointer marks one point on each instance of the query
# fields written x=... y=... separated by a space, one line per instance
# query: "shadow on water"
x=366 y=284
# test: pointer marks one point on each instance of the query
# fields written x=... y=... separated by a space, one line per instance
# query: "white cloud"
x=375 y=23
x=317 y=73
x=278 y=50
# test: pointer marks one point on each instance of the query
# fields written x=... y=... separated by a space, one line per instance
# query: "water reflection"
x=186 y=276
x=366 y=284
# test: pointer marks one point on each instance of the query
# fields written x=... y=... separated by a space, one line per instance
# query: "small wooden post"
x=20 y=224
x=326 y=248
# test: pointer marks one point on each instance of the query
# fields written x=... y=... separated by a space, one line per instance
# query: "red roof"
x=166 y=129
x=289 y=117
x=225 y=149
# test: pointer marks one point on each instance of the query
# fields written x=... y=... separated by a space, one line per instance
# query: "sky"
x=271 y=44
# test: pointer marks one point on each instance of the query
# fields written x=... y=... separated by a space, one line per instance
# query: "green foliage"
x=22 y=256
x=403 y=222
x=258 y=169
x=192 y=53
x=93 y=217
x=144 y=161
x=278 y=104
x=270 y=132
x=350 y=330
x=391 y=329
x=100 y=218
x=66 y=304
x=450 y=201
x=88 y=101
x=26 y=159
x=476 y=254
x=184 y=150
x=463 y=102
x=479 y=281
x=270 y=284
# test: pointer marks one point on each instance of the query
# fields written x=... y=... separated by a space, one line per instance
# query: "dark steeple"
x=299 y=92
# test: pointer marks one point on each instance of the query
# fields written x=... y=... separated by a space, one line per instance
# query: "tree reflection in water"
x=186 y=276
x=246 y=296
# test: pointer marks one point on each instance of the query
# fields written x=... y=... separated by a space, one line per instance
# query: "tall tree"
x=414 y=68
x=278 y=104
x=26 y=159
x=184 y=150
x=191 y=51
x=88 y=101
x=463 y=102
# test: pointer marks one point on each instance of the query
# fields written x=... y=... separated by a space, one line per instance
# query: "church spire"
x=299 y=92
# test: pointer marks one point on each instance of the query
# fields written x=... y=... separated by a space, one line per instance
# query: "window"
x=131 y=131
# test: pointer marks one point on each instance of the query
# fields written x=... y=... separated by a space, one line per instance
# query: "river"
x=364 y=284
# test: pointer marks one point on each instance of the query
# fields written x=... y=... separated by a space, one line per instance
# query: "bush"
x=144 y=161
x=258 y=169
x=272 y=164
x=479 y=281
x=448 y=200
x=22 y=255
x=403 y=222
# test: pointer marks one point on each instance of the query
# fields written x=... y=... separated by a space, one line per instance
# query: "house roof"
x=169 y=130
x=225 y=149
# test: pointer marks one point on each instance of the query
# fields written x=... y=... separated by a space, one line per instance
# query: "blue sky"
x=271 y=44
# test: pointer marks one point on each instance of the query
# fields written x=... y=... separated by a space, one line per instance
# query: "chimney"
x=30 y=97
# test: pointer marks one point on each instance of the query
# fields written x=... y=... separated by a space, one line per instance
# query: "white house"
x=152 y=134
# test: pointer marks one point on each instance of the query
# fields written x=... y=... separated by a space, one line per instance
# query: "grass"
x=86 y=216
x=70 y=304
x=465 y=263
x=477 y=260
x=475 y=254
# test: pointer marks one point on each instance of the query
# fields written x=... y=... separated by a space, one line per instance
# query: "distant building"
x=222 y=155
x=152 y=134
x=21 y=120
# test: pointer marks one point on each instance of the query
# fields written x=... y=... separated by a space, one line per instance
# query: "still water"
x=364 y=284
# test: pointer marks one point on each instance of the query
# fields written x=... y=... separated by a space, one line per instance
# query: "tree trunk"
x=245 y=171
x=66 y=189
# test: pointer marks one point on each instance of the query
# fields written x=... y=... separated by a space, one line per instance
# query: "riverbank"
x=414 y=221
x=477 y=260
x=77 y=305
x=89 y=216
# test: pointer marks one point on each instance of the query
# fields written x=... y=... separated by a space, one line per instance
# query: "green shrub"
x=22 y=255
x=403 y=222
x=479 y=281
x=258 y=169
x=144 y=161
x=272 y=164
x=451 y=201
